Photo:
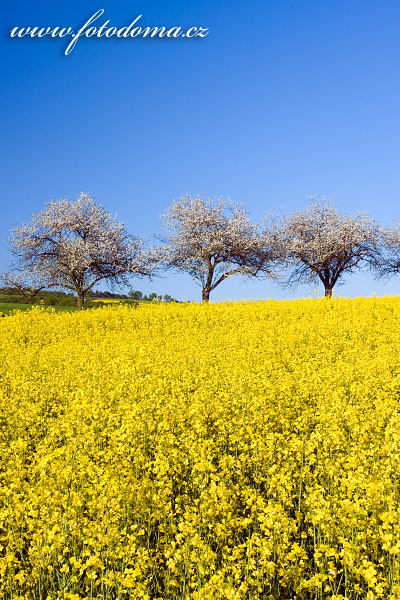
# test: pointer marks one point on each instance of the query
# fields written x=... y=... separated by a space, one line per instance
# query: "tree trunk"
x=328 y=292
x=81 y=299
x=205 y=296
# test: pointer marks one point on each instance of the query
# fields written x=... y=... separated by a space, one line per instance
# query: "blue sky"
x=282 y=100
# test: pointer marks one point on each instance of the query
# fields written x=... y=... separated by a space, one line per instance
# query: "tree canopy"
x=211 y=240
x=74 y=245
x=323 y=244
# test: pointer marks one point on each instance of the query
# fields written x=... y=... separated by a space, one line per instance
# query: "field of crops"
x=224 y=451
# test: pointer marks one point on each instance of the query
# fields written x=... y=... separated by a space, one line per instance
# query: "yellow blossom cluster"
x=224 y=451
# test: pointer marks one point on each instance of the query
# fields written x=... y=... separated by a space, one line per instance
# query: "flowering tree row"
x=74 y=245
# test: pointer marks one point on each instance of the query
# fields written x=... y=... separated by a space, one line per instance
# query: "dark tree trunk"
x=81 y=300
x=205 y=296
x=328 y=292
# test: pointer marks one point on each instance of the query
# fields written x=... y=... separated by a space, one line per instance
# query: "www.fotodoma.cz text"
x=89 y=30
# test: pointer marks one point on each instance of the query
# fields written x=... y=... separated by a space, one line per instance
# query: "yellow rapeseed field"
x=226 y=451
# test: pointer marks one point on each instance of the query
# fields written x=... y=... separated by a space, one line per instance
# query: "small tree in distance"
x=135 y=295
x=323 y=244
x=211 y=240
x=74 y=245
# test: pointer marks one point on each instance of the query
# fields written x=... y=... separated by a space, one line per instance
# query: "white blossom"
x=75 y=244
x=211 y=240
x=323 y=244
x=27 y=282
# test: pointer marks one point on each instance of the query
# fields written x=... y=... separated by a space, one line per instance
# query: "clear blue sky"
x=282 y=100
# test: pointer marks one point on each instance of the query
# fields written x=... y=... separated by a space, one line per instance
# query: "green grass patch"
x=8 y=307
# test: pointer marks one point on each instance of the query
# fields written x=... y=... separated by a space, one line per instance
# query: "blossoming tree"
x=211 y=240
x=387 y=262
x=73 y=245
x=323 y=244
x=26 y=283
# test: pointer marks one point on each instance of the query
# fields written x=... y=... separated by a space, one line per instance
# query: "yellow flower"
x=226 y=450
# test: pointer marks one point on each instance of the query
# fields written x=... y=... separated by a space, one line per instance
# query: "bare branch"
x=387 y=260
